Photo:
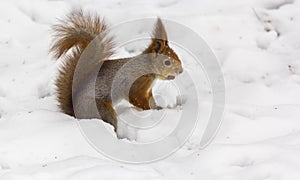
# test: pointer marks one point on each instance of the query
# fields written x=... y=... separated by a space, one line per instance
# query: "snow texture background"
x=258 y=47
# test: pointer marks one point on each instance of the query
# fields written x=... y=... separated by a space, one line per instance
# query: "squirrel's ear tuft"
x=159 y=37
x=159 y=31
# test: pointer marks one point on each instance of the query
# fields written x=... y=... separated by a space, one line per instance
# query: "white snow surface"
x=258 y=47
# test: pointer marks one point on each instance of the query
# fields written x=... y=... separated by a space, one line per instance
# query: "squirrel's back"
x=72 y=36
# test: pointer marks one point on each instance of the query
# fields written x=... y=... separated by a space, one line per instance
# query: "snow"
x=257 y=45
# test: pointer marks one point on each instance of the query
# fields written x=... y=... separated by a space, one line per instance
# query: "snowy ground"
x=258 y=46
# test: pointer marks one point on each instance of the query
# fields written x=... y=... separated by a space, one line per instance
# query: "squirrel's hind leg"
x=107 y=113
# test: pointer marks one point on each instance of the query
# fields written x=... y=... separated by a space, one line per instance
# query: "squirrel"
x=71 y=37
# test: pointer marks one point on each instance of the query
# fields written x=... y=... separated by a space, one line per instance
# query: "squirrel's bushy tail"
x=71 y=36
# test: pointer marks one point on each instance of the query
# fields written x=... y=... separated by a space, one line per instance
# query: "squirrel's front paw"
x=159 y=108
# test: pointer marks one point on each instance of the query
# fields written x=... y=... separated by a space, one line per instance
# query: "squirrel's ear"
x=159 y=36
x=159 y=39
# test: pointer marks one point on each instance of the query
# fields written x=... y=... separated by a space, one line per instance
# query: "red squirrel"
x=74 y=33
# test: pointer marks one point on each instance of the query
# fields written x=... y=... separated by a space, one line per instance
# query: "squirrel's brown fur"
x=77 y=30
x=75 y=33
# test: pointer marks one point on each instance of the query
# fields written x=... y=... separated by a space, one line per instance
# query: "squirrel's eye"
x=167 y=62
